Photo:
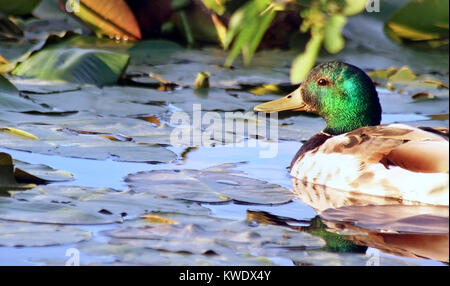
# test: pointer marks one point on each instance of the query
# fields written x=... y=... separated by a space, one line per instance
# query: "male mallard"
x=355 y=153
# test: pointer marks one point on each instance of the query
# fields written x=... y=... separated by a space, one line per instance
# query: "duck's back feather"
x=390 y=160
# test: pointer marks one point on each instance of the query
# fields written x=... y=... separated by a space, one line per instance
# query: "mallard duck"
x=354 y=152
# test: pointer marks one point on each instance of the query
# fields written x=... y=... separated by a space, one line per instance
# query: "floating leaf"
x=39 y=174
x=322 y=258
x=100 y=67
x=211 y=186
x=127 y=254
x=99 y=205
x=51 y=213
x=213 y=236
x=158 y=219
x=11 y=100
x=7 y=179
x=18 y=7
x=19 y=133
x=16 y=234
x=433 y=24
x=154 y=52
x=404 y=78
x=90 y=147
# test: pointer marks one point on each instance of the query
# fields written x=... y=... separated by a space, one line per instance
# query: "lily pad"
x=25 y=172
x=8 y=179
x=21 y=7
x=57 y=141
x=153 y=52
x=106 y=203
x=33 y=36
x=405 y=79
x=51 y=213
x=213 y=236
x=123 y=254
x=10 y=98
x=93 y=66
x=208 y=186
x=32 y=235
x=322 y=258
x=433 y=25
x=379 y=52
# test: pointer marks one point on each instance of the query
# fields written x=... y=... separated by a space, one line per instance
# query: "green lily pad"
x=379 y=52
x=208 y=186
x=154 y=52
x=16 y=234
x=433 y=25
x=94 y=66
x=20 y=7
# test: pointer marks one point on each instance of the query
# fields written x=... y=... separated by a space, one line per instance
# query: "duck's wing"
x=404 y=146
x=395 y=161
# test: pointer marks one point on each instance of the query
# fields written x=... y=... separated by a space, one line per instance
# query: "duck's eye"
x=322 y=82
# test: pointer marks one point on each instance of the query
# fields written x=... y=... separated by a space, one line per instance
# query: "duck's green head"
x=342 y=94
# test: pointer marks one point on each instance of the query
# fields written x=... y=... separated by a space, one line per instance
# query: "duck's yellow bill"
x=293 y=101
